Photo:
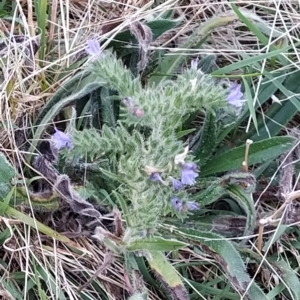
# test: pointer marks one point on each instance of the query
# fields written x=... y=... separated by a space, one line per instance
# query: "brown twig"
x=245 y=162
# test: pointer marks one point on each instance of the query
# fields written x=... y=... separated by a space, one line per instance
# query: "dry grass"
x=24 y=94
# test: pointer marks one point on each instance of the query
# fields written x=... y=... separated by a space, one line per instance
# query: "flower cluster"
x=179 y=206
x=189 y=173
x=163 y=109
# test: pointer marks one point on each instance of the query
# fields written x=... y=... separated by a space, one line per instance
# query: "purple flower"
x=61 y=140
x=156 y=177
x=177 y=184
x=192 y=205
x=176 y=203
x=235 y=95
x=93 y=48
x=128 y=102
x=188 y=173
x=138 y=112
x=134 y=110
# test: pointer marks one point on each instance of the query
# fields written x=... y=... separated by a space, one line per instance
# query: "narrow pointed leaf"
x=246 y=202
x=166 y=275
x=156 y=244
x=204 y=141
x=259 y=152
x=210 y=194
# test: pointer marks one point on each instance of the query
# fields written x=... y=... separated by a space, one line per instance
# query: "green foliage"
x=115 y=147
x=138 y=296
x=109 y=109
x=134 y=143
x=158 y=27
x=78 y=87
x=227 y=256
x=249 y=61
x=166 y=275
x=41 y=13
x=132 y=149
x=13 y=213
x=7 y=174
x=289 y=281
x=156 y=244
x=280 y=114
x=246 y=202
x=259 y=152
x=231 y=184
x=204 y=142
x=169 y=64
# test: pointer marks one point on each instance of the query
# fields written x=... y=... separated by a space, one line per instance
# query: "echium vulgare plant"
x=148 y=162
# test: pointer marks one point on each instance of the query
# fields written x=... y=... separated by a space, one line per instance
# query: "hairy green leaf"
x=108 y=108
x=123 y=205
x=67 y=89
x=166 y=275
x=259 y=152
x=210 y=194
x=7 y=170
x=204 y=141
x=246 y=202
x=145 y=271
x=6 y=175
x=156 y=244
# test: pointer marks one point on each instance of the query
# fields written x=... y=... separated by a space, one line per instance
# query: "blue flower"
x=156 y=178
x=128 y=102
x=61 y=140
x=177 y=184
x=192 y=205
x=93 y=48
x=176 y=203
x=143 y=233
x=189 y=173
x=235 y=95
